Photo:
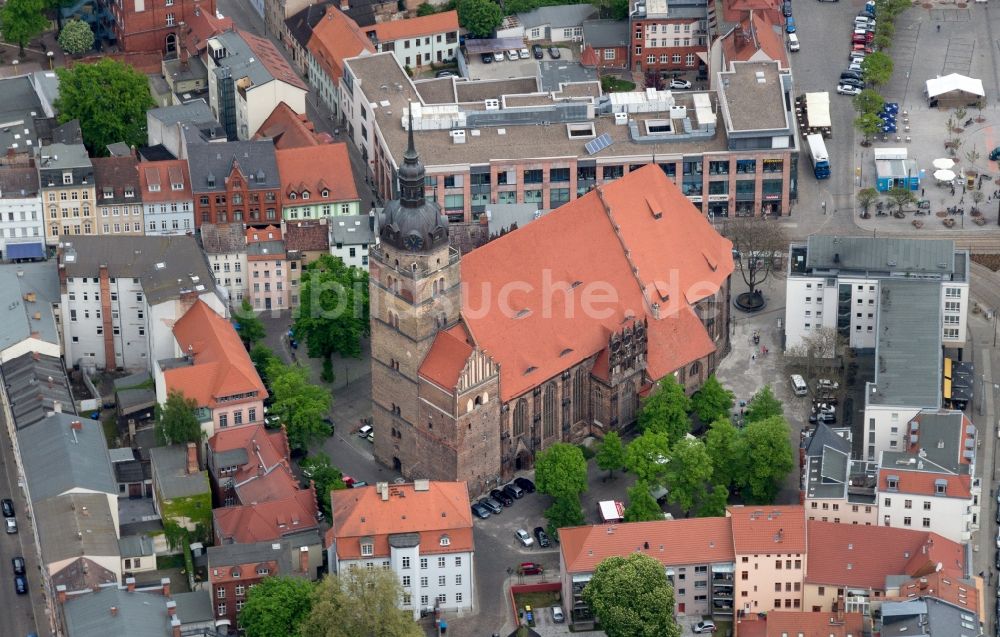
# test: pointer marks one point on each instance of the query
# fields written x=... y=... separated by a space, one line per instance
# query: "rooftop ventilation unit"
x=457 y=136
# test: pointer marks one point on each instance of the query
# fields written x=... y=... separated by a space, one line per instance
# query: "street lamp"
x=50 y=55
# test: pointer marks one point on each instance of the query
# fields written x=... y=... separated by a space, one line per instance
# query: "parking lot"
x=511 y=69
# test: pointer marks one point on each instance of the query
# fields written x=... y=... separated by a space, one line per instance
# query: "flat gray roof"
x=28 y=292
x=194 y=111
x=352 y=230
x=908 y=345
x=58 y=458
x=19 y=108
x=135 y=546
x=140 y=614
x=882 y=254
x=170 y=474
x=63 y=156
x=752 y=105
x=941 y=436
x=75 y=525
x=562 y=15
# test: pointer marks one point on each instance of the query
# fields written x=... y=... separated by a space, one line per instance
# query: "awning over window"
x=25 y=251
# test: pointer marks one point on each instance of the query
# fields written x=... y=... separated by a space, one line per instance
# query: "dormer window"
x=325 y=193
x=445 y=540
x=152 y=188
x=305 y=194
x=107 y=193
x=292 y=196
x=175 y=186
x=129 y=192
x=367 y=549
x=940 y=487
x=892 y=483
x=263 y=570
x=67 y=178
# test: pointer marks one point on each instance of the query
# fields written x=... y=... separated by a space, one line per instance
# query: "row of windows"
x=12 y=232
x=70 y=195
x=908 y=504
x=129 y=227
x=665 y=59
x=325 y=210
x=836 y=507
x=34 y=215
x=405 y=562
x=123 y=210
x=238 y=417
x=424 y=599
x=441 y=581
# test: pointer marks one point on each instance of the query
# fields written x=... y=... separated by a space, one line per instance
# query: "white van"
x=799 y=386
x=364 y=431
x=793 y=42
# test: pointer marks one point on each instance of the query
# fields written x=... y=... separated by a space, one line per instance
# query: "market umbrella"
x=944 y=175
x=944 y=163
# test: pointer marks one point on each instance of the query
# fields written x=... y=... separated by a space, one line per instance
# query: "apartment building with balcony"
x=119 y=196
x=670 y=38
x=66 y=181
x=729 y=156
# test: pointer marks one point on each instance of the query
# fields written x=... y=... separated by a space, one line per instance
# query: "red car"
x=529 y=568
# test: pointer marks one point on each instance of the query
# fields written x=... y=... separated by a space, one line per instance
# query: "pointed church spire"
x=411 y=150
x=411 y=173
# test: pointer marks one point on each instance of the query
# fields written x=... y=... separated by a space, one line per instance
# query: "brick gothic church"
x=550 y=333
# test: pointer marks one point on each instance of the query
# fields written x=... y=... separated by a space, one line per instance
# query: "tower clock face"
x=413 y=241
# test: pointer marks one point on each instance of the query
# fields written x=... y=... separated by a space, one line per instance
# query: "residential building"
x=66 y=180
x=831 y=277
x=422 y=531
x=605 y=44
x=166 y=196
x=248 y=78
x=536 y=375
x=334 y=39
x=557 y=24
x=146 y=27
x=211 y=366
x=697 y=554
x=804 y=624
x=296 y=31
x=288 y=129
x=132 y=472
x=771 y=557
x=736 y=10
x=119 y=196
x=835 y=487
x=726 y=162
x=233 y=569
x=275 y=12
x=419 y=41
x=933 y=605
x=752 y=39
x=181 y=493
x=670 y=38
x=28 y=111
x=121 y=295
x=186 y=77
x=28 y=393
x=225 y=245
x=165 y=125
x=30 y=292
x=137 y=553
x=234 y=181
x=851 y=567
x=316 y=182
x=22 y=232
x=269 y=269
x=352 y=239
x=929 y=481
x=310 y=239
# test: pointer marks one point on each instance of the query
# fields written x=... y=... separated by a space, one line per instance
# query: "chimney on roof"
x=114 y=611
x=171 y=608
x=57 y=406
x=76 y=425
x=192 y=458
x=61 y=593
x=304 y=559
x=165 y=586
x=345 y=5
x=35 y=356
x=923 y=583
x=130 y=584
x=175 y=627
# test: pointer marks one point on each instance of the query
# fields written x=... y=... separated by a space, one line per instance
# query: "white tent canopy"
x=818 y=110
x=954 y=82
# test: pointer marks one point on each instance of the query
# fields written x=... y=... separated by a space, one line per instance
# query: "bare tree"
x=758 y=243
x=823 y=344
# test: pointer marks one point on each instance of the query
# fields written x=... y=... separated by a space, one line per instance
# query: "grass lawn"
x=110 y=430
x=611 y=84
x=542 y=599
x=169 y=561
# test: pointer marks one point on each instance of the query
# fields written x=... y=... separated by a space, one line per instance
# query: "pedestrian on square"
x=921 y=192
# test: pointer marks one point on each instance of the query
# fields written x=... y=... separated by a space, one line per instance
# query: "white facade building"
x=351 y=238
x=225 y=247
x=420 y=41
x=422 y=531
x=20 y=209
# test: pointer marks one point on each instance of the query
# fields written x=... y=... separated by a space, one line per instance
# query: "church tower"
x=414 y=290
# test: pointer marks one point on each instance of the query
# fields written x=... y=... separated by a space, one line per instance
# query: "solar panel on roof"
x=595 y=146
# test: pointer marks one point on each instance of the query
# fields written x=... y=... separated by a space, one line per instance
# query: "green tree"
x=641 y=505
x=712 y=503
x=767 y=450
x=877 y=68
x=631 y=597
x=325 y=476
x=479 y=17
x=868 y=101
x=176 y=422
x=564 y=512
x=425 y=9
x=619 y=9
x=276 y=606
x=901 y=197
x=109 y=98
x=251 y=327
x=358 y=602
x=76 y=37
x=689 y=470
x=712 y=401
x=666 y=410
x=763 y=405
x=300 y=404
x=647 y=457
x=262 y=357
x=869 y=125
x=333 y=308
x=21 y=20
x=866 y=197
x=722 y=445
x=561 y=471
x=611 y=453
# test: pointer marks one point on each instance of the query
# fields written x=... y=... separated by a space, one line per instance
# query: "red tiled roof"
x=862 y=556
x=924 y=482
x=317 y=168
x=266 y=476
x=267 y=233
x=200 y=27
x=683 y=541
x=288 y=129
x=336 y=38
x=768 y=529
x=442 y=509
x=164 y=173
x=589 y=57
x=755 y=33
x=266 y=521
x=781 y=623
x=221 y=366
x=432 y=24
x=307 y=236
x=948 y=588
x=273 y=60
x=620 y=242
x=446 y=358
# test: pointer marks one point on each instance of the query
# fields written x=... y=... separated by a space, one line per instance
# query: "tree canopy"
x=109 y=98
x=251 y=327
x=877 y=68
x=763 y=405
x=632 y=597
x=687 y=473
x=276 y=606
x=722 y=446
x=713 y=502
x=262 y=357
x=565 y=511
x=76 y=37
x=359 y=602
x=21 y=20
x=755 y=241
x=325 y=476
x=333 y=308
x=642 y=507
x=561 y=471
x=176 y=422
x=647 y=457
x=868 y=101
x=479 y=17
x=666 y=409
x=712 y=401
x=300 y=404
x=868 y=124
x=611 y=453
x=767 y=451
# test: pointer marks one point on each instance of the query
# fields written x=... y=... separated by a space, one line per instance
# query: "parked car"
x=537 y=51
x=847 y=89
x=825 y=416
x=524 y=54
x=998 y=538
x=826 y=383
x=554 y=52
x=492 y=505
x=680 y=84
x=997 y=560
x=514 y=491
x=501 y=497
x=21 y=584
x=790 y=25
x=498 y=56
x=18 y=564
x=8 y=507
x=542 y=537
x=364 y=431
x=704 y=626
x=513 y=55
x=444 y=74
x=529 y=568
x=480 y=511
x=994 y=156
x=11 y=526
x=529 y=487
x=557 y=615
x=786 y=8
x=854 y=75
x=371 y=436
x=523 y=537
x=486 y=58
x=850 y=81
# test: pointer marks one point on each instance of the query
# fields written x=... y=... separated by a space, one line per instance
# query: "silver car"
x=523 y=537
